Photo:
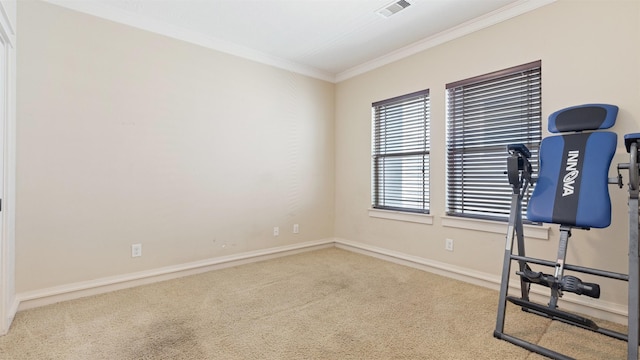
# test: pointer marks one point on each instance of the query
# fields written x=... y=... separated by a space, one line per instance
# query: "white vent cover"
x=393 y=8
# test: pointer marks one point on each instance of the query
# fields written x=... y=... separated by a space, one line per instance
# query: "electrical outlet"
x=276 y=231
x=448 y=244
x=296 y=228
x=136 y=250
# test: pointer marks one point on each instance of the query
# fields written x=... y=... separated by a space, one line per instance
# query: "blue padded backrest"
x=572 y=186
x=583 y=117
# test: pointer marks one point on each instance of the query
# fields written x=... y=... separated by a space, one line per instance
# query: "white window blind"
x=401 y=153
x=484 y=114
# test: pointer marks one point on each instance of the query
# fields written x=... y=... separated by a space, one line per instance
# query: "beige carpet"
x=325 y=304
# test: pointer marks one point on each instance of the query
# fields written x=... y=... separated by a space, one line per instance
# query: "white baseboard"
x=10 y=315
x=592 y=307
x=42 y=297
x=432 y=266
x=596 y=308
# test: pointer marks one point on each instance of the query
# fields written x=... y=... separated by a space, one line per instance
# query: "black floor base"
x=555 y=314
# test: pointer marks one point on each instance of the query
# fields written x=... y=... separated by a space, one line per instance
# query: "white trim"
x=530 y=231
x=56 y=294
x=176 y=32
x=8 y=301
x=402 y=216
x=11 y=314
x=600 y=309
x=492 y=18
x=432 y=266
x=190 y=36
x=7 y=27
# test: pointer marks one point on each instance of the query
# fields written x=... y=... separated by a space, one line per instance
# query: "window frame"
x=380 y=201
x=460 y=153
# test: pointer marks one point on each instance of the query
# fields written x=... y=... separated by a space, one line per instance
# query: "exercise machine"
x=571 y=190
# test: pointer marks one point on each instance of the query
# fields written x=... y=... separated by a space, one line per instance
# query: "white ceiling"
x=327 y=39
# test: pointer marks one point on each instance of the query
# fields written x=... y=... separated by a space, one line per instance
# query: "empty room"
x=319 y=179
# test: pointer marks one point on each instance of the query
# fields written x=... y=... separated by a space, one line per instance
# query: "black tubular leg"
x=634 y=271
x=524 y=286
x=533 y=347
x=634 y=253
x=506 y=266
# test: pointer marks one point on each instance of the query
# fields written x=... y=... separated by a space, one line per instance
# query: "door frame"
x=8 y=303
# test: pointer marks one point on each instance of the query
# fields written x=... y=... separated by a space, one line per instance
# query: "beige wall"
x=129 y=137
x=590 y=52
x=125 y=137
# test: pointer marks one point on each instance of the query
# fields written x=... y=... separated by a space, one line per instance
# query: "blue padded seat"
x=572 y=186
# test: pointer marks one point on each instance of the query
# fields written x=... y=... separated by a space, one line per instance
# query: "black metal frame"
x=520 y=177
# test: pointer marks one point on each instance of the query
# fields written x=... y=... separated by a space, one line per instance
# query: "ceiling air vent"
x=393 y=8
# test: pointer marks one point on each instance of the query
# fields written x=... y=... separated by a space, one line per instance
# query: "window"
x=484 y=114
x=401 y=153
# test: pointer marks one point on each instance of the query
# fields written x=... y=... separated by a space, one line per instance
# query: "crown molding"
x=492 y=18
x=193 y=37
x=179 y=33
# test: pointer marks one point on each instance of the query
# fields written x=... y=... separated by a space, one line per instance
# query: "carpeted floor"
x=325 y=304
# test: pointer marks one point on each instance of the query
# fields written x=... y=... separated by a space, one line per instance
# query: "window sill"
x=402 y=216
x=531 y=231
